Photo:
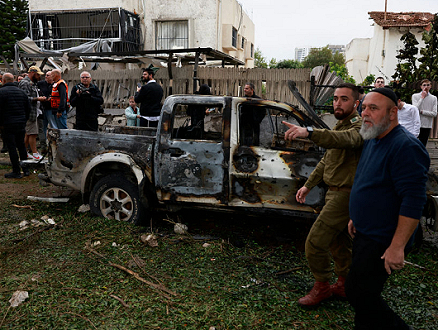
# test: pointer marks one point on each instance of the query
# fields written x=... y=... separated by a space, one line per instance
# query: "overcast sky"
x=282 y=25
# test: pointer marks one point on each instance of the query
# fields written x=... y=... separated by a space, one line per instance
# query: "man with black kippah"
x=149 y=96
x=386 y=203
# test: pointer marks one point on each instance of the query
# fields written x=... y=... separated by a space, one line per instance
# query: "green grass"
x=219 y=286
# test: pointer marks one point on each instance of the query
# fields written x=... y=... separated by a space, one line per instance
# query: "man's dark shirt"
x=250 y=119
x=87 y=104
x=149 y=97
x=45 y=90
x=14 y=105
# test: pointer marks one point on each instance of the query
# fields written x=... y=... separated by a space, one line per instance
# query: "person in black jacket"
x=87 y=99
x=149 y=96
x=14 y=113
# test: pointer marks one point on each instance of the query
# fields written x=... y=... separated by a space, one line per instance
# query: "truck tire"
x=115 y=197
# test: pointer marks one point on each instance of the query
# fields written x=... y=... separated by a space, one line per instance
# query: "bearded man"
x=386 y=203
x=328 y=238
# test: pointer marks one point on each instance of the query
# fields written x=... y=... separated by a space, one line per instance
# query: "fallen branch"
x=139 y=266
x=22 y=206
x=141 y=279
x=95 y=252
x=288 y=271
x=415 y=265
x=119 y=299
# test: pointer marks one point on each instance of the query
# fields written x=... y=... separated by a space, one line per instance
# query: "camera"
x=82 y=89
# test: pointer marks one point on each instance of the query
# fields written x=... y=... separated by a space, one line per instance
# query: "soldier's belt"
x=340 y=189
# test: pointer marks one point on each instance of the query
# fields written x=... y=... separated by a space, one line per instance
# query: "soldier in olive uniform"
x=328 y=236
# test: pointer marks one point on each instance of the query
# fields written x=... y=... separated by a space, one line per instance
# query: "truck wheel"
x=115 y=197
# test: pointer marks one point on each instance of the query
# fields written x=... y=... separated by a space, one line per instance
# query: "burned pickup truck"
x=124 y=173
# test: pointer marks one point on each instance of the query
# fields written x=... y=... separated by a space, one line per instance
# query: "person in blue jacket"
x=386 y=203
x=132 y=113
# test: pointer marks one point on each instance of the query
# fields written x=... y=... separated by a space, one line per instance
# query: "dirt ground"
x=27 y=186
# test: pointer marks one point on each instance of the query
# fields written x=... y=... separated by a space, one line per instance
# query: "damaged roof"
x=411 y=19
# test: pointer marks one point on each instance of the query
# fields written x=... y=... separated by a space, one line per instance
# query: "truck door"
x=265 y=170
x=192 y=151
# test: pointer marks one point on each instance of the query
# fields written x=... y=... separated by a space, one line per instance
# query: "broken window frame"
x=56 y=30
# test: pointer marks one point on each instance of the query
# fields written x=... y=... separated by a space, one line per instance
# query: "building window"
x=172 y=35
x=252 y=50
x=234 y=38
x=243 y=43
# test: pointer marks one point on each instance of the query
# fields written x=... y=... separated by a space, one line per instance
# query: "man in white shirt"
x=427 y=104
x=408 y=116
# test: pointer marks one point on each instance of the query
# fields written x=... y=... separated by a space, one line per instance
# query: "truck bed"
x=68 y=160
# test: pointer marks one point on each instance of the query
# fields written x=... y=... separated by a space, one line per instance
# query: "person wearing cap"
x=328 y=238
x=386 y=203
x=29 y=86
x=149 y=96
x=14 y=112
x=427 y=104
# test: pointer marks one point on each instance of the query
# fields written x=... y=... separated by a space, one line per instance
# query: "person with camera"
x=87 y=99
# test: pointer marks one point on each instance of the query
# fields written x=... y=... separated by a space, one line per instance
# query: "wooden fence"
x=117 y=86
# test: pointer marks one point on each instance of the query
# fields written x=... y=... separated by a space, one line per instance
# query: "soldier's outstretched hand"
x=295 y=131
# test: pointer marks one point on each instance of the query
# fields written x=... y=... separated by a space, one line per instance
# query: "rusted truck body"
x=126 y=172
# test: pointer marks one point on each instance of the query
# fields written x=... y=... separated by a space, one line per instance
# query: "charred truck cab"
x=220 y=153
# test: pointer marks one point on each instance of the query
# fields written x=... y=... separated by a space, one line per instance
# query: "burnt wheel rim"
x=117 y=204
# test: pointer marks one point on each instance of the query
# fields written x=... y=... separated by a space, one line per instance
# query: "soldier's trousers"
x=328 y=238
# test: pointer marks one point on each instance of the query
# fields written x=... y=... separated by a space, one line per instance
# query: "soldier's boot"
x=320 y=291
x=338 y=288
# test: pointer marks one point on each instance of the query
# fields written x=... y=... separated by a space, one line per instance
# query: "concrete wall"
x=234 y=15
x=382 y=51
x=356 y=58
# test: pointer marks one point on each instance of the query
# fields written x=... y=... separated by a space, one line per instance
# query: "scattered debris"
x=206 y=245
x=256 y=283
x=35 y=223
x=180 y=229
x=115 y=244
x=48 y=199
x=95 y=243
x=48 y=220
x=23 y=224
x=149 y=239
x=84 y=208
x=18 y=297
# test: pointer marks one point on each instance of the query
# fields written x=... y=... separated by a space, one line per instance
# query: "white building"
x=377 y=55
x=132 y=25
x=301 y=53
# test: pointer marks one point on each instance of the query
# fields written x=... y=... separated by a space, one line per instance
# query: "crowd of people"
x=34 y=101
